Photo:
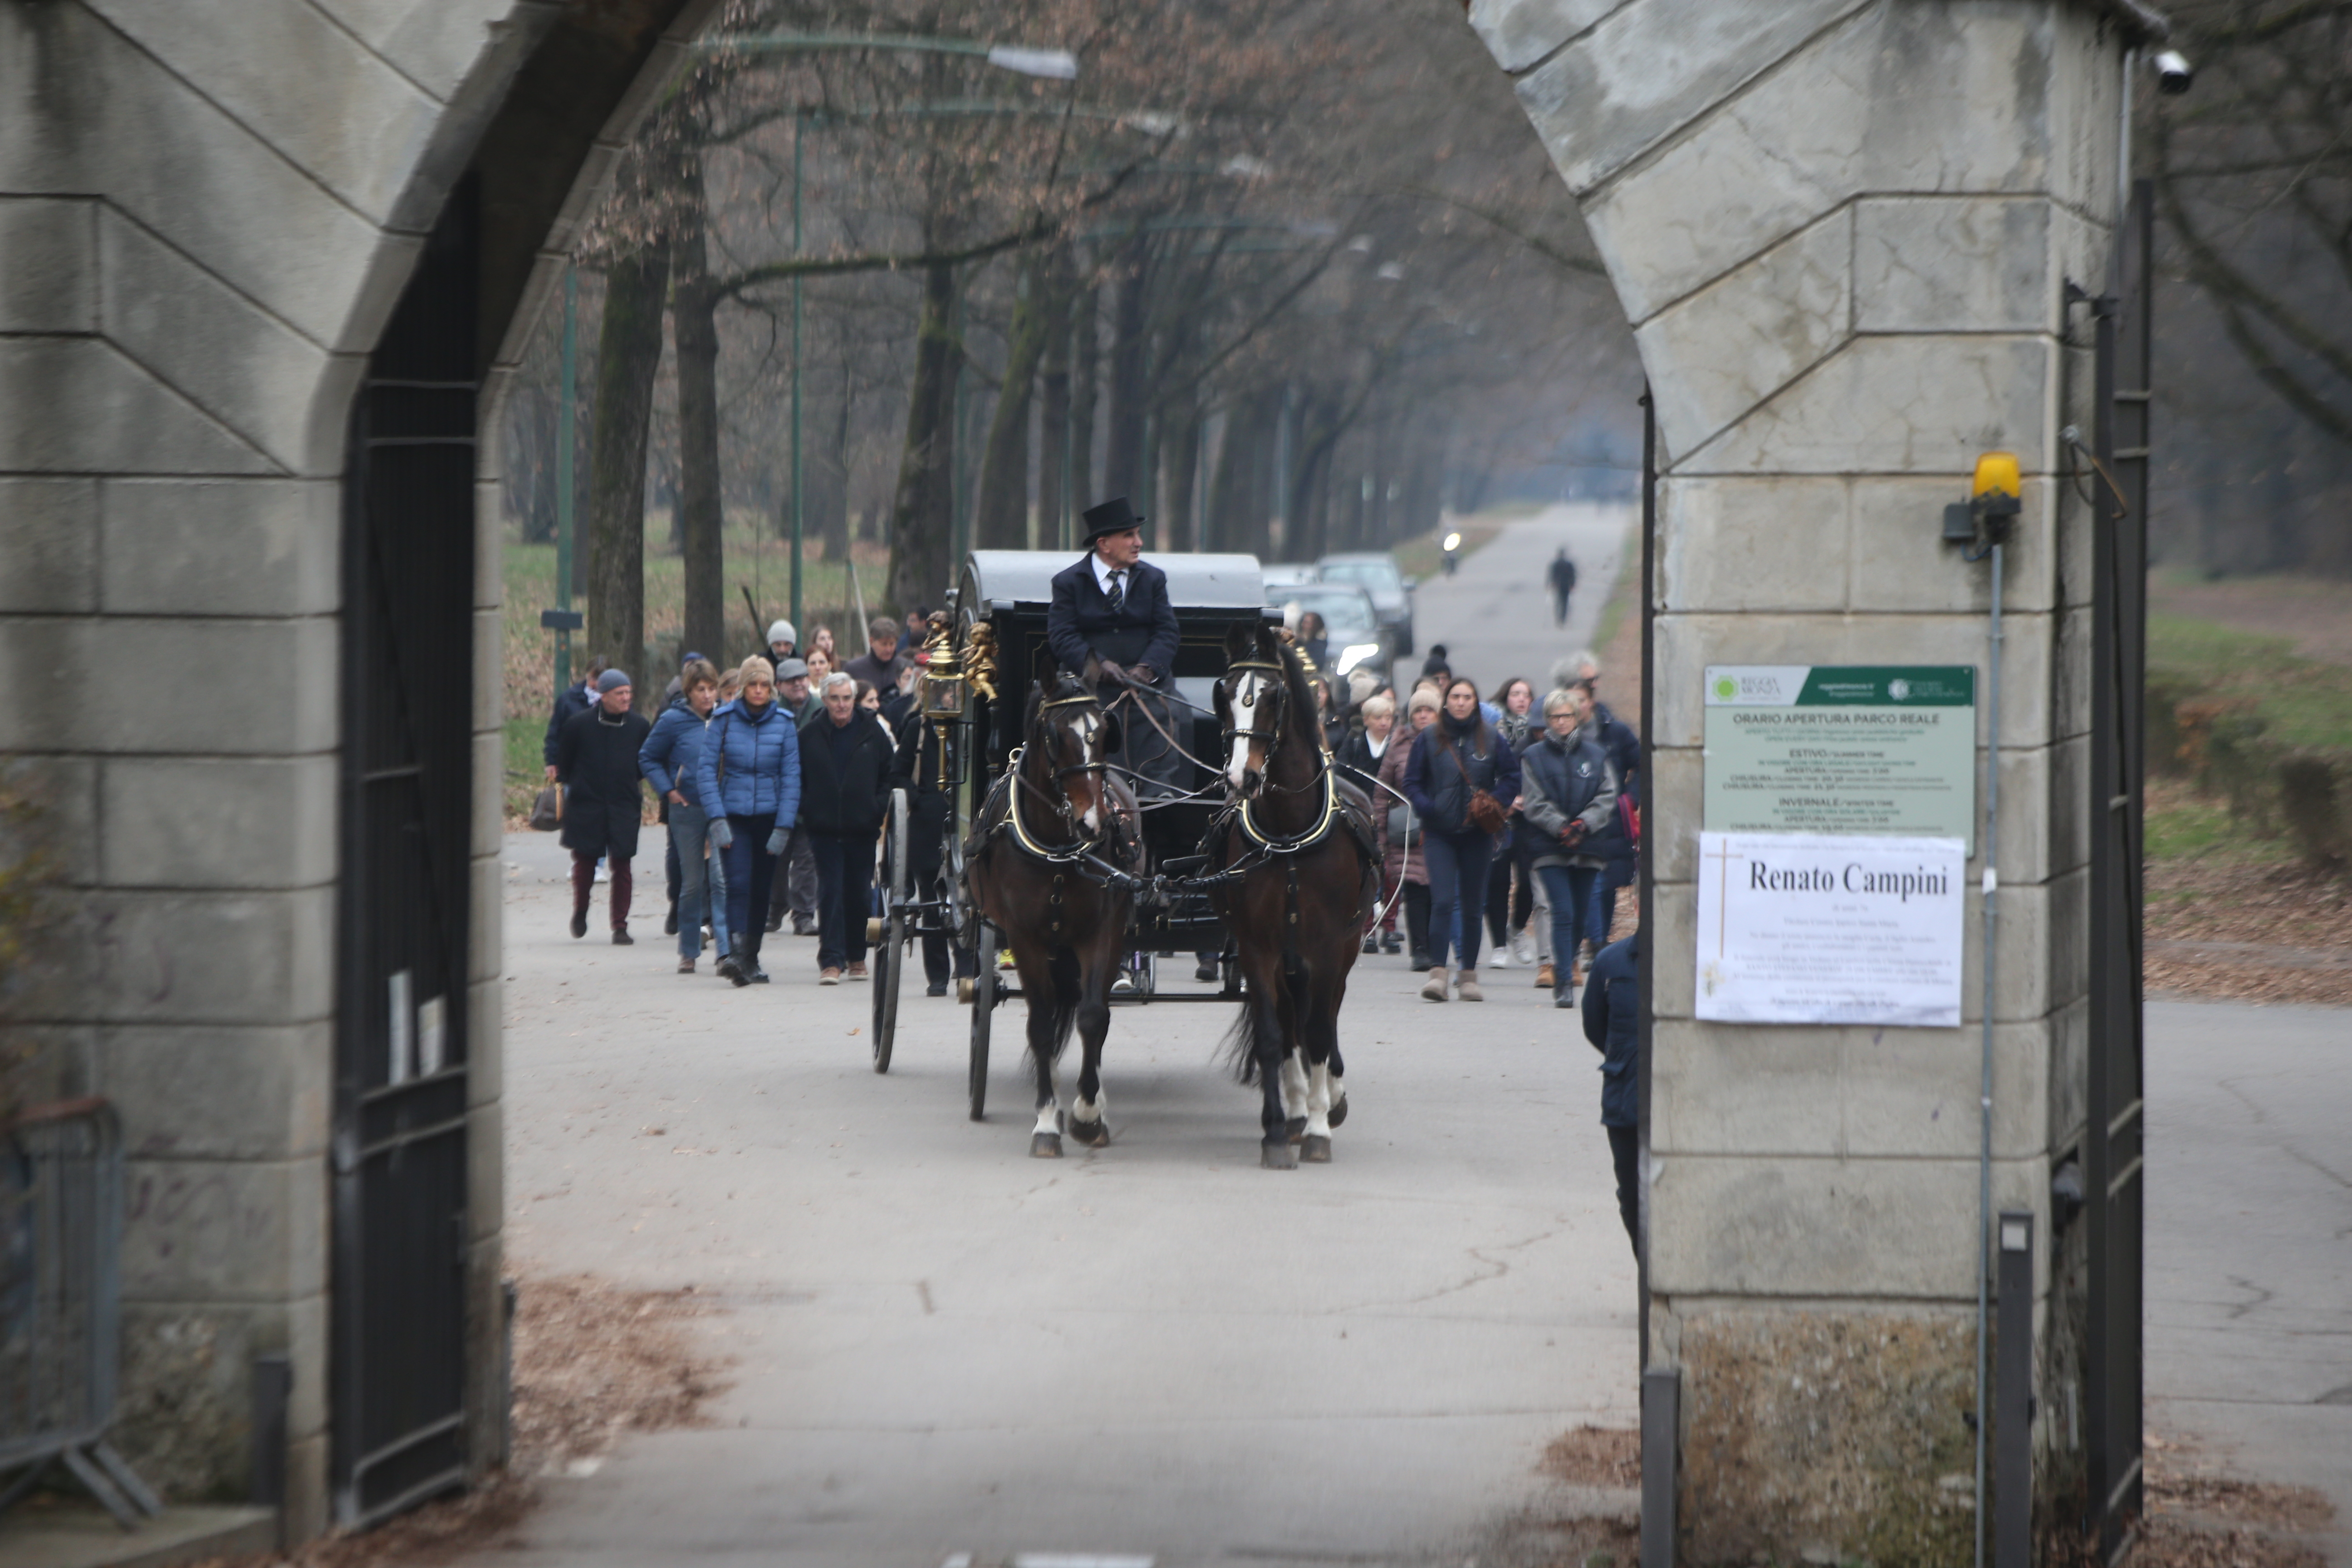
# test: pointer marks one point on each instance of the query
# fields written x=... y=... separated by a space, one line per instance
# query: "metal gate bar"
x=2113 y=1147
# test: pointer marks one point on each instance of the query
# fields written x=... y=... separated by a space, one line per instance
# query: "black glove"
x=1112 y=670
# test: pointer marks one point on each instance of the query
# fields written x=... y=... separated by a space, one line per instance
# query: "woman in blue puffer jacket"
x=749 y=780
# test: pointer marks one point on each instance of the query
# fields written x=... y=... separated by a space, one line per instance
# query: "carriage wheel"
x=983 y=1006
x=889 y=950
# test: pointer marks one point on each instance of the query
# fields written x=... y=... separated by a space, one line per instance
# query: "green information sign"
x=1795 y=748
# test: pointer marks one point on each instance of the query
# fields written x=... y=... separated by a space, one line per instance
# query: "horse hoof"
x=1297 y=1127
x=1093 y=1135
x=1045 y=1146
x=1276 y=1154
x=1315 y=1149
x=1338 y=1111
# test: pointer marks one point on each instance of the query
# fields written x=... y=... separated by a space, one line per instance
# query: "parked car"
x=1284 y=575
x=1375 y=572
x=1352 y=634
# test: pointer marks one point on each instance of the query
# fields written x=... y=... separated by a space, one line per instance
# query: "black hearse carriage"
x=999 y=604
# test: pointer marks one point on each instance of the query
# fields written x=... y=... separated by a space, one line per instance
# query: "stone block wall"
x=1843 y=232
x=207 y=212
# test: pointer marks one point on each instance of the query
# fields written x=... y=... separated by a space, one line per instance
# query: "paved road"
x=943 y=1345
x=2250 y=1240
x=1494 y=615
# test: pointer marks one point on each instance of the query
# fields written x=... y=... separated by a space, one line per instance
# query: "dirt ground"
x=592 y=1364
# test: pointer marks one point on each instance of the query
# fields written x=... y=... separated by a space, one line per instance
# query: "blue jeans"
x=700 y=883
x=1458 y=864
x=1570 y=890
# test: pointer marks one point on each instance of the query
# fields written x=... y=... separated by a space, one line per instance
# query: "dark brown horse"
x=1036 y=863
x=1302 y=838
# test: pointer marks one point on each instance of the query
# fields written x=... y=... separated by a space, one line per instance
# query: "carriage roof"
x=1024 y=580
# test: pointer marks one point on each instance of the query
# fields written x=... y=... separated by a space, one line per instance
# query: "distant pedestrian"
x=1613 y=1010
x=668 y=759
x=749 y=780
x=845 y=757
x=1562 y=574
x=794 y=891
x=569 y=703
x=1402 y=834
x=1454 y=763
x=596 y=761
x=1568 y=798
x=879 y=665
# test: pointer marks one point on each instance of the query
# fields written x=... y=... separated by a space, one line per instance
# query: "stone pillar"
x=1842 y=233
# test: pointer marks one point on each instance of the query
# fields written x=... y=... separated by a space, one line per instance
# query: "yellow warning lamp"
x=1995 y=500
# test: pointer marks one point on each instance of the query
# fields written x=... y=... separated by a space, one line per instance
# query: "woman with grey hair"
x=1568 y=797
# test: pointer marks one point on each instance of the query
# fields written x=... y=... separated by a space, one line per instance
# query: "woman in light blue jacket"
x=749 y=780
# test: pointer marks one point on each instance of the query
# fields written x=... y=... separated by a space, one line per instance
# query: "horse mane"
x=1301 y=690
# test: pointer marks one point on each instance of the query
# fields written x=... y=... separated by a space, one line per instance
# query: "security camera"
x=2173 y=72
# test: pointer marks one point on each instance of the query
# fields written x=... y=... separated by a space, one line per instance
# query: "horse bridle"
x=1279 y=681
x=1062 y=806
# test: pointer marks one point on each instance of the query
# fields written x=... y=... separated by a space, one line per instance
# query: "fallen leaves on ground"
x=1593 y=1457
x=592 y=1362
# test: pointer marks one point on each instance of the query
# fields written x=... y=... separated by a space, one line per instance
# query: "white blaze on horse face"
x=1090 y=749
x=1247 y=756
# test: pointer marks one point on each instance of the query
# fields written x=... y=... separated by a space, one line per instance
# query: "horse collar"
x=1305 y=841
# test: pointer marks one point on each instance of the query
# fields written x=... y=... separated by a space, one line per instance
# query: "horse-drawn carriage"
x=1104 y=869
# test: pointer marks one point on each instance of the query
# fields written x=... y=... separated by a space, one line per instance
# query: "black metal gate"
x=399 y=1149
x=2113 y=1143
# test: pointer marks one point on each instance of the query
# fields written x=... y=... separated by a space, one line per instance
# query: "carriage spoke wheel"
x=983 y=1006
x=890 y=952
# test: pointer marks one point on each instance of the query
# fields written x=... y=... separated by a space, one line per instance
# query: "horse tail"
x=1241 y=1046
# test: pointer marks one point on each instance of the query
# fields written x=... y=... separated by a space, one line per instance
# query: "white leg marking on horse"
x=1294 y=1085
x=1091 y=1110
x=1049 y=1113
x=1318 y=1102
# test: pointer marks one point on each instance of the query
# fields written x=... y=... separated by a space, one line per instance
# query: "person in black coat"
x=596 y=763
x=569 y=703
x=915 y=768
x=1113 y=606
x=1612 y=1011
x=845 y=758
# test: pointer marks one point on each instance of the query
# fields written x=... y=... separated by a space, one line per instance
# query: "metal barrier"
x=61 y=1303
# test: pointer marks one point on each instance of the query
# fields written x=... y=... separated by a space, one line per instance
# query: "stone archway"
x=1841 y=229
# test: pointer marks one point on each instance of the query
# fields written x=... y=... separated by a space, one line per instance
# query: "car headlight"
x=1354 y=654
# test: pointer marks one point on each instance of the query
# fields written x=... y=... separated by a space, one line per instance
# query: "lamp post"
x=1053 y=65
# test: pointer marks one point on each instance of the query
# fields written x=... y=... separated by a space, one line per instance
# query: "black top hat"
x=1114 y=516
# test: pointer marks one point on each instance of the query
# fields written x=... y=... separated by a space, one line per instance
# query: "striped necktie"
x=1118 y=595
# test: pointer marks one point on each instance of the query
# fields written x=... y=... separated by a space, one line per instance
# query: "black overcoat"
x=603 y=792
x=1142 y=630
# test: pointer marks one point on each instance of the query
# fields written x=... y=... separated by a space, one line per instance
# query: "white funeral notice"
x=1805 y=927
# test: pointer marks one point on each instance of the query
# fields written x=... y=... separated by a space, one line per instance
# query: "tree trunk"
x=831 y=507
x=1183 y=448
x=1054 y=465
x=1237 y=457
x=1085 y=354
x=628 y=352
x=695 y=329
x=1123 y=468
x=923 y=512
x=1001 y=519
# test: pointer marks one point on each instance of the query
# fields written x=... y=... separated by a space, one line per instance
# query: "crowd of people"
x=1507 y=821
x=773 y=777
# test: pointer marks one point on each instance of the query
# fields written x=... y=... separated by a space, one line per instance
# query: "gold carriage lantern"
x=944 y=687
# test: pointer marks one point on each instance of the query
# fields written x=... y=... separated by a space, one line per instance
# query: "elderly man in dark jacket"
x=596 y=762
x=1113 y=606
x=1613 y=1012
x=845 y=792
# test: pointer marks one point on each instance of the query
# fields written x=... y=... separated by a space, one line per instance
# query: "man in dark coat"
x=1113 y=606
x=596 y=763
x=1612 y=1007
x=569 y=702
x=1562 y=573
x=846 y=760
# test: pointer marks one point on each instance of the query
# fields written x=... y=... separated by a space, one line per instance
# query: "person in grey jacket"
x=1568 y=794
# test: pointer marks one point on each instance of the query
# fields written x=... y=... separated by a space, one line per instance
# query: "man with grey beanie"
x=596 y=762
